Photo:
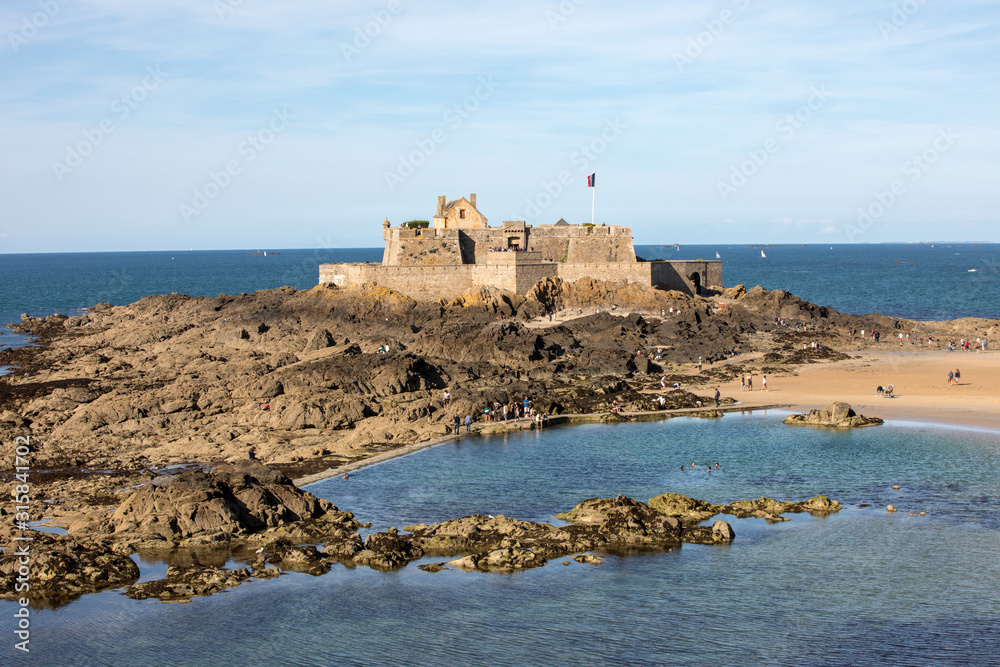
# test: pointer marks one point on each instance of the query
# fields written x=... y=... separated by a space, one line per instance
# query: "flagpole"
x=593 y=203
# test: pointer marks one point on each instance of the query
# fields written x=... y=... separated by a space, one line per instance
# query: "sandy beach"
x=919 y=379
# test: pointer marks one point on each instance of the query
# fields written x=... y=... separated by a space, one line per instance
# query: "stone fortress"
x=461 y=252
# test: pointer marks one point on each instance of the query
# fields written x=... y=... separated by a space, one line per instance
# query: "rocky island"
x=142 y=419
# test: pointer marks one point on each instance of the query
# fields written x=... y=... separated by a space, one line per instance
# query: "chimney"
x=440 y=211
x=472 y=199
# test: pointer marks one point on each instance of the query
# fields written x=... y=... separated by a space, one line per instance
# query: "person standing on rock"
x=468 y=423
x=447 y=397
x=527 y=403
x=457 y=423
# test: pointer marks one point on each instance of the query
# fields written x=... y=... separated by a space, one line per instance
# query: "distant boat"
x=718 y=256
x=972 y=270
x=762 y=254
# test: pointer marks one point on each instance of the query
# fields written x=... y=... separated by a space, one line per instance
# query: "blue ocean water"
x=862 y=587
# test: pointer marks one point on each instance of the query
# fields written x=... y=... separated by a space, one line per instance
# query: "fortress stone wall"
x=460 y=252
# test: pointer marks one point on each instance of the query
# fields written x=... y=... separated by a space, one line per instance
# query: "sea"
x=860 y=587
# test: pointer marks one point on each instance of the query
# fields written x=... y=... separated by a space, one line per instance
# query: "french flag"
x=592 y=180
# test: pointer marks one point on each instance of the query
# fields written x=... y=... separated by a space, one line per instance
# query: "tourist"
x=468 y=423
x=682 y=468
x=743 y=382
x=504 y=413
x=716 y=466
x=252 y=454
x=957 y=376
x=951 y=377
x=457 y=425
x=663 y=382
x=717 y=395
x=527 y=403
x=763 y=382
x=750 y=382
x=699 y=364
x=447 y=397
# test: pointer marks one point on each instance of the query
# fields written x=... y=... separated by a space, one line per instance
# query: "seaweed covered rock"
x=768 y=508
x=63 y=567
x=688 y=510
x=622 y=520
x=388 y=550
x=185 y=582
x=505 y=559
x=475 y=532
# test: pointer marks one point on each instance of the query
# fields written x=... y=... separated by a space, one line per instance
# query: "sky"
x=211 y=124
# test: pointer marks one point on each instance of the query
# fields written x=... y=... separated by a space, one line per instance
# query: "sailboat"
x=762 y=254
x=718 y=256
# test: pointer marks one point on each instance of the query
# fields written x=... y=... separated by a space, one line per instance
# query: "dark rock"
x=64 y=567
x=234 y=500
x=184 y=582
x=387 y=551
x=837 y=415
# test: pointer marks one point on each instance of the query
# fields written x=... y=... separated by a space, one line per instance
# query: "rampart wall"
x=557 y=243
x=429 y=282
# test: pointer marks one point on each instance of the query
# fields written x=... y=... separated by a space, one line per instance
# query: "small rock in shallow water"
x=896 y=486
x=890 y=508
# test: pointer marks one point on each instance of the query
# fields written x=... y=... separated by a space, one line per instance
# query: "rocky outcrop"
x=768 y=508
x=62 y=568
x=837 y=415
x=622 y=521
x=185 y=582
x=387 y=551
x=232 y=501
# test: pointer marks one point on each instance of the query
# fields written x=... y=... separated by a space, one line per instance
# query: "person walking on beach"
x=957 y=376
x=717 y=395
x=763 y=382
x=951 y=377
x=743 y=382
x=750 y=382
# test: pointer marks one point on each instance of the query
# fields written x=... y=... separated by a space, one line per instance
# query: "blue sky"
x=244 y=124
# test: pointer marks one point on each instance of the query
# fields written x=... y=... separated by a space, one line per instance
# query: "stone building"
x=460 y=251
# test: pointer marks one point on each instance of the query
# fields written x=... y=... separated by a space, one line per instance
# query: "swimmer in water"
x=682 y=468
x=716 y=465
x=347 y=475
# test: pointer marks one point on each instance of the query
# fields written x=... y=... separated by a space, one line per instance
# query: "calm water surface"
x=861 y=587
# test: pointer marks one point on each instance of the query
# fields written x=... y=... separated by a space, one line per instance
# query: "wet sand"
x=919 y=379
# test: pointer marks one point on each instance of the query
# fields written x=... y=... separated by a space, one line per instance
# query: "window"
x=461 y=213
